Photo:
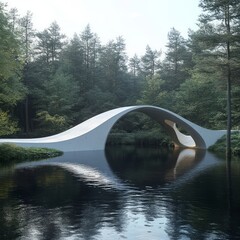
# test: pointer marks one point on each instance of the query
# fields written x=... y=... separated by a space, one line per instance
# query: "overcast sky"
x=139 y=22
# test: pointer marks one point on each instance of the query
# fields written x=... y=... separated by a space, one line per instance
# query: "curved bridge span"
x=92 y=134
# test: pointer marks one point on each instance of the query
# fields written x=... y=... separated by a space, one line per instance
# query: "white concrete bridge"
x=92 y=134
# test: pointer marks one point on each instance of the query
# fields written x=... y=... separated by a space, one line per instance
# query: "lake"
x=122 y=193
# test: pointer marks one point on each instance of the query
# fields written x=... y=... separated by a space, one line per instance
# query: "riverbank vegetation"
x=49 y=83
x=140 y=138
x=220 y=146
x=11 y=153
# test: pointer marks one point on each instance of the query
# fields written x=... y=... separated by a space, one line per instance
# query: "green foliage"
x=138 y=129
x=102 y=100
x=200 y=100
x=140 y=138
x=177 y=62
x=50 y=124
x=10 y=153
x=150 y=62
x=236 y=106
x=9 y=51
x=153 y=93
x=220 y=146
x=50 y=44
x=11 y=88
x=11 y=92
x=60 y=94
x=7 y=126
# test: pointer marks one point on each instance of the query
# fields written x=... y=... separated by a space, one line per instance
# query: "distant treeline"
x=49 y=83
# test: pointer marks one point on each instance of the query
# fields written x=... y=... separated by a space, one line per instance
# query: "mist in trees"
x=49 y=82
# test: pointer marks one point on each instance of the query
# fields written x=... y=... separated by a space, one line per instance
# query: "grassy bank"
x=11 y=153
x=220 y=146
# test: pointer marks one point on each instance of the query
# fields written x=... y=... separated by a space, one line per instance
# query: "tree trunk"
x=229 y=116
x=27 y=115
x=229 y=90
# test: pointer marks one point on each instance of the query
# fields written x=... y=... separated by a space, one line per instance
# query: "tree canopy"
x=49 y=83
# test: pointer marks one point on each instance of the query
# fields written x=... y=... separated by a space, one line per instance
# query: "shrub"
x=141 y=138
x=220 y=146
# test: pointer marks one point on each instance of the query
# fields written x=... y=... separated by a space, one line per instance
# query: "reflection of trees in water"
x=53 y=203
x=200 y=207
x=191 y=207
x=50 y=203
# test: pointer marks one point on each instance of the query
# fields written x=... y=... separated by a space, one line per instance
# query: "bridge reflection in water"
x=113 y=168
x=121 y=193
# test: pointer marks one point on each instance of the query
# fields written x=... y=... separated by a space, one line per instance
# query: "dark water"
x=124 y=193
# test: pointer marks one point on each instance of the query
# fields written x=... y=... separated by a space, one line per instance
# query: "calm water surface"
x=123 y=193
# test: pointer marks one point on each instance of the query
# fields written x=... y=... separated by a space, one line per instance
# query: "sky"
x=139 y=22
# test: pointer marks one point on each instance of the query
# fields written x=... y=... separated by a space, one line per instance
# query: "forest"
x=49 y=83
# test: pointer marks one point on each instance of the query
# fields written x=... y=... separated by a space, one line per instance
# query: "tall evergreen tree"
x=56 y=42
x=134 y=65
x=175 y=65
x=72 y=59
x=50 y=43
x=113 y=63
x=90 y=46
x=150 y=62
x=219 y=36
x=27 y=34
x=13 y=17
x=135 y=74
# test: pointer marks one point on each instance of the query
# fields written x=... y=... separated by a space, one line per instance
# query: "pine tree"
x=90 y=47
x=175 y=65
x=27 y=35
x=219 y=36
x=150 y=62
x=50 y=44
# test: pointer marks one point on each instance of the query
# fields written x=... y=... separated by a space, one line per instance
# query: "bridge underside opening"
x=138 y=128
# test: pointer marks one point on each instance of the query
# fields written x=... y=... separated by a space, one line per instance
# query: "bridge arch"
x=92 y=134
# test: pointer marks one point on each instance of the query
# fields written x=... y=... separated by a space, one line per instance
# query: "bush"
x=140 y=138
x=51 y=124
x=220 y=146
x=11 y=153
